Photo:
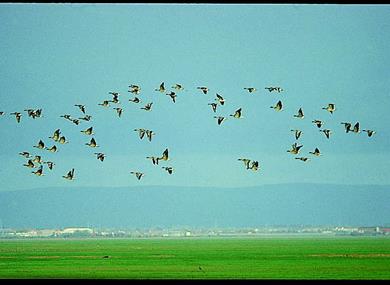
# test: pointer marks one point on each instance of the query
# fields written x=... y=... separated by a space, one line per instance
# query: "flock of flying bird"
x=35 y=161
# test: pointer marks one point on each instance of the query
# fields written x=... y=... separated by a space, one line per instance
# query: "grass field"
x=222 y=258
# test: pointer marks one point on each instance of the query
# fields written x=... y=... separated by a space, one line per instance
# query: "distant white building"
x=73 y=230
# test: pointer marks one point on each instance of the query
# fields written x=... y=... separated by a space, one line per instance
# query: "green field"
x=219 y=258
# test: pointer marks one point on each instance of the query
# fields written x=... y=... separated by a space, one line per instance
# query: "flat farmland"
x=198 y=258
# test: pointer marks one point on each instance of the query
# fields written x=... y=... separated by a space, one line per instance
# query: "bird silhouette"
x=213 y=106
x=81 y=107
x=168 y=169
x=204 y=89
x=88 y=131
x=148 y=106
x=369 y=132
x=161 y=88
x=319 y=123
x=92 y=143
x=220 y=99
x=40 y=145
x=326 y=132
x=18 y=116
x=295 y=148
x=347 y=126
x=250 y=89
x=39 y=171
x=237 y=114
x=316 y=152
x=300 y=114
x=137 y=174
x=70 y=175
x=297 y=133
x=220 y=119
x=278 y=106
x=330 y=108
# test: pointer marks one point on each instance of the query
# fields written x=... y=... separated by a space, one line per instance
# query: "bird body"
x=56 y=135
x=135 y=100
x=330 y=108
x=88 y=131
x=178 y=87
x=347 y=127
x=141 y=132
x=220 y=119
x=161 y=88
x=326 y=132
x=137 y=174
x=220 y=99
x=369 y=132
x=246 y=162
x=52 y=149
x=29 y=164
x=168 y=169
x=25 y=154
x=316 y=152
x=153 y=159
x=300 y=114
x=100 y=155
x=18 y=116
x=39 y=171
x=40 y=145
x=237 y=114
x=213 y=106
x=172 y=95
x=92 y=143
x=62 y=140
x=278 y=106
x=204 y=89
x=70 y=175
x=148 y=106
x=356 y=128
x=302 y=158
x=250 y=89
x=81 y=107
x=149 y=134
x=295 y=148
x=119 y=111
x=319 y=123
x=297 y=133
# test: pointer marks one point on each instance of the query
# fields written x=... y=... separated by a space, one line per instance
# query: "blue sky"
x=58 y=55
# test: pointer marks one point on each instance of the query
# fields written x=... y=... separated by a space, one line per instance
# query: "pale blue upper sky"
x=56 y=55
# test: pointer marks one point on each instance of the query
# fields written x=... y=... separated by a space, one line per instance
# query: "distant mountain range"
x=152 y=206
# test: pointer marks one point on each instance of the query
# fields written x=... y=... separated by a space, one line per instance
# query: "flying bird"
x=178 y=87
x=62 y=140
x=25 y=154
x=295 y=148
x=18 y=116
x=119 y=111
x=40 y=145
x=164 y=155
x=52 y=149
x=297 y=133
x=135 y=100
x=81 y=107
x=300 y=114
x=115 y=97
x=50 y=164
x=319 y=123
x=134 y=89
x=250 y=89
x=246 y=162
x=172 y=95
x=29 y=164
x=38 y=159
x=92 y=143
x=100 y=155
x=141 y=132
x=278 y=106
x=88 y=131
x=204 y=89
x=105 y=103
x=148 y=106
x=213 y=106
x=237 y=114
x=168 y=169
x=254 y=166
x=56 y=135
x=70 y=175
x=220 y=99
x=302 y=158
x=153 y=159
x=161 y=88
x=356 y=128
x=278 y=89
x=330 y=108
x=137 y=174
x=220 y=119
x=326 y=132
x=316 y=152
x=66 y=116
x=369 y=132
x=86 y=118
x=76 y=121
x=347 y=126
x=149 y=134
x=39 y=171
